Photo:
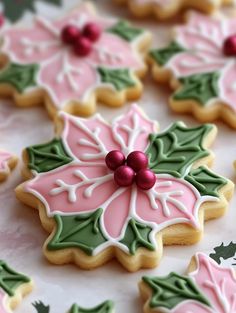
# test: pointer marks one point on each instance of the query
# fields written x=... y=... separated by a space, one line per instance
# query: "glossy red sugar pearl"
x=69 y=34
x=114 y=159
x=137 y=160
x=124 y=176
x=145 y=179
x=229 y=47
x=92 y=31
x=82 y=46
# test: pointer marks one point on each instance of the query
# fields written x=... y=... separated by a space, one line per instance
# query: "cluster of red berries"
x=131 y=169
x=81 y=40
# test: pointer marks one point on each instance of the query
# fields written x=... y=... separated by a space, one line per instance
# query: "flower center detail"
x=229 y=47
x=81 y=39
x=132 y=169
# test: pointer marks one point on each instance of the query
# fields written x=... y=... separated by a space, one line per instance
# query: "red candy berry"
x=145 y=179
x=137 y=160
x=92 y=31
x=229 y=47
x=69 y=34
x=82 y=46
x=124 y=176
x=114 y=159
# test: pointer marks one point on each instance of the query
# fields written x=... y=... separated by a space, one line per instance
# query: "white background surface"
x=21 y=234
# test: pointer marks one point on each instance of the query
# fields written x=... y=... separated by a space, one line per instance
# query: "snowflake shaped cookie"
x=7 y=163
x=200 y=66
x=122 y=189
x=164 y=9
x=72 y=63
x=208 y=288
x=13 y=287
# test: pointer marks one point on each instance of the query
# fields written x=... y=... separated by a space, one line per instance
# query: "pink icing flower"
x=87 y=184
x=5 y=157
x=65 y=76
x=203 y=39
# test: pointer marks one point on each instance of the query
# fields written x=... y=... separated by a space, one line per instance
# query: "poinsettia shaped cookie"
x=72 y=63
x=122 y=189
x=13 y=287
x=163 y=9
x=207 y=288
x=7 y=163
x=200 y=65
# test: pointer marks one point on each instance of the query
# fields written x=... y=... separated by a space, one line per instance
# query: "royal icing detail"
x=209 y=289
x=225 y=254
x=40 y=59
x=92 y=212
x=10 y=281
x=198 y=59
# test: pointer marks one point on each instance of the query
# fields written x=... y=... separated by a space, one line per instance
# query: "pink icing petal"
x=187 y=63
x=15 y=44
x=3 y=308
x=181 y=203
x=118 y=210
x=81 y=138
x=217 y=283
x=228 y=86
x=66 y=87
x=193 y=307
x=66 y=203
x=202 y=34
x=4 y=158
x=132 y=130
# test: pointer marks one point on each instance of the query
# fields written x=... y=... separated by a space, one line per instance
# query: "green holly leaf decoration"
x=169 y=291
x=79 y=231
x=199 y=87
x=40 y=307
x=225 y=252
x=19 y=76
x=120 y=78
x=124 y=30
x=137 y=235
x=162 y=56
x=175 y=150
x=10 y=280
x=206 y=182
x=46 y=157
x=106 y=307
x=15 y=9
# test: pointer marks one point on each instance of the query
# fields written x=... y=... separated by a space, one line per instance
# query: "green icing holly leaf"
x=175 y=150
x=79 y=231
x=162 y=56
x=46 y=157
x=225 y=252
x=10 y=280
x=169 y=291
x=137 y=235
x=19 y=76
x=106 y=307
x=199 y=87
x=124 y=30
x=15 y=9
x=40 y=307
x=206 y=182
x=120 y=78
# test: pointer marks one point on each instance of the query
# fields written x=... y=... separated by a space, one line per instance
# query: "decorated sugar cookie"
x=163 y=9
x=7 y=163
x=105 y=307
x=72 y=63
x=200 y=65
x=207 y=288
x=13 y=287
x=225 y=254
x=122 y=189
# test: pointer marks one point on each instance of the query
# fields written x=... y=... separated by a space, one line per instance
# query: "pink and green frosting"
x=91 y=211
x=40 y=60
x=197 y=58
